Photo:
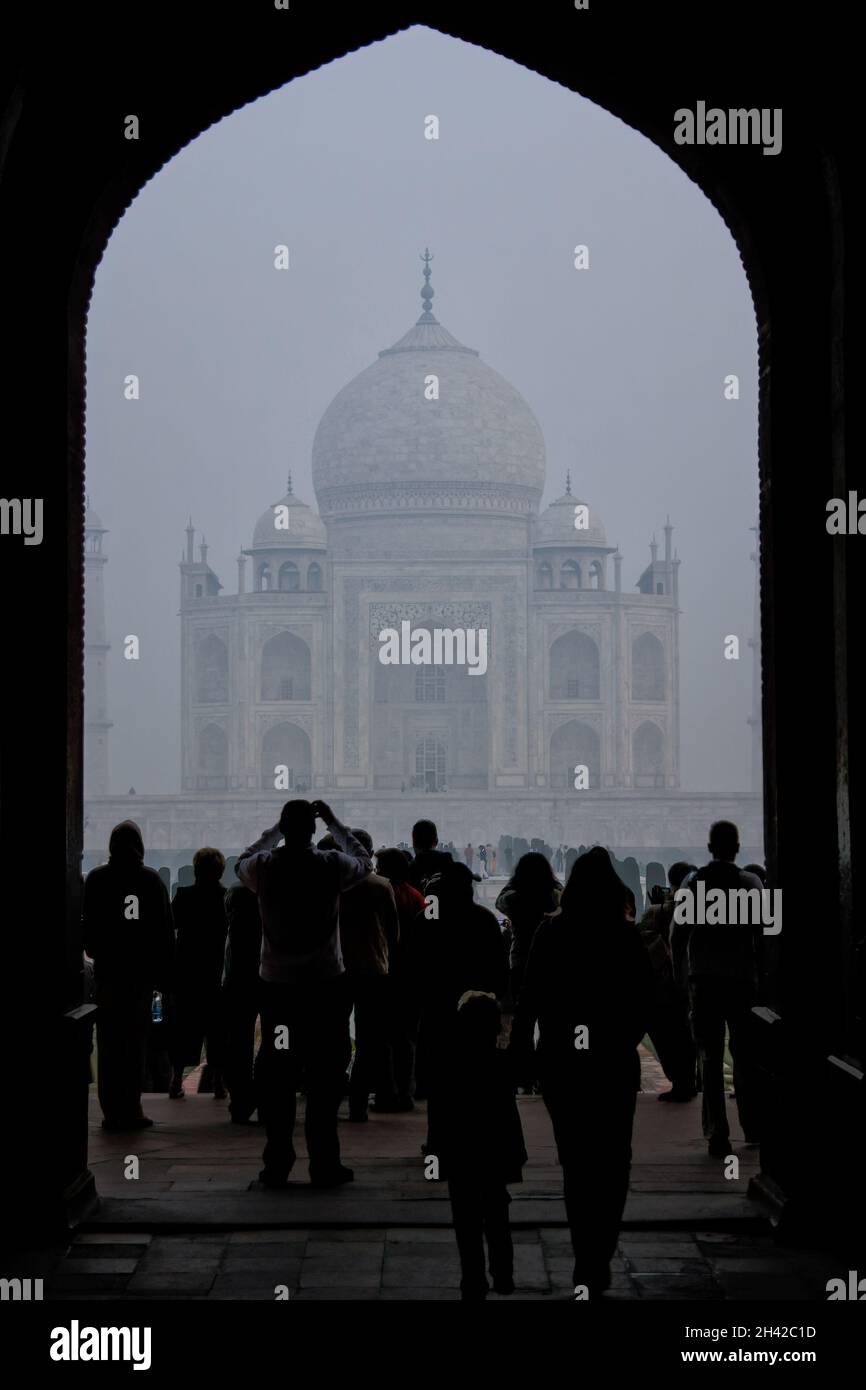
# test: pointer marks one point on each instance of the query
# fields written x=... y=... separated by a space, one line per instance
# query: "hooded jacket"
x=126 y=919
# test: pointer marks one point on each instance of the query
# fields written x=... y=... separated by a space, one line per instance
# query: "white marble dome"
x=92 y=519
x=381 y=446
x=305 y=531
x=556 y=525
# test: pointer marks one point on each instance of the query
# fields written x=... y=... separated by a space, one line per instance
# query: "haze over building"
x=428 y=468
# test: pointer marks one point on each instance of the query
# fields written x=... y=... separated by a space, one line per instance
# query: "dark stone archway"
x=66 y=177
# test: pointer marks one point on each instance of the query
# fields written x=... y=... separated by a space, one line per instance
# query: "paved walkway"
x=414 y=1263
x=182 y=1216
x=193 y=1153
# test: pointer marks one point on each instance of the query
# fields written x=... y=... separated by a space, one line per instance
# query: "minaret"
x=754 y=721
x=97 y=723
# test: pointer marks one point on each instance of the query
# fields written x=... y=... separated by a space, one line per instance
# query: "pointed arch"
x=285 y=668
x=289 y=578
x=211 y=671
x=573 y=745
x=212 y=759
x=286 y=746
x=574 y=668
x=648 y=755
x=648 y=680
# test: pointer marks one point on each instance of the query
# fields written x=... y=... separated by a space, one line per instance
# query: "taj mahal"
x=428 y=470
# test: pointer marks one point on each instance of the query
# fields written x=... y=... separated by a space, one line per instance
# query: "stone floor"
x=416 y=1263
x=182 y=1216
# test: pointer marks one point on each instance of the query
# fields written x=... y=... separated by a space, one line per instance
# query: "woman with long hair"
x=588 y=985
x=531 y=893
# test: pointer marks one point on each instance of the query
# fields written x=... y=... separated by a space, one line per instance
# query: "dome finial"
x=568 y=483
x=289 y=484
x=427 y=291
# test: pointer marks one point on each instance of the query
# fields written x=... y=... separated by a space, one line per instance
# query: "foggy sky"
x=622 y=364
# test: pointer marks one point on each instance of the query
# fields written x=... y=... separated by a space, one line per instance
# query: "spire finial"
x=427 y=291
x=568 y=483
x=289 y=484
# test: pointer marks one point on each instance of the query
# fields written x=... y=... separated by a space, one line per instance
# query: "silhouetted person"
x=669 y=1030
x=185 y=877
x=655 y=877
x=369 y=932
x=588 y=984
x=629 y=872
x=241 y=989
x=677 y=940
x=127 y=931
x=201 y=925
x=506 y=852
x=530 y=894
x=305 y=1003
x=480 y=1146
x=722 y=963
x=429 y=859
x=404 y=985
x=463 y=950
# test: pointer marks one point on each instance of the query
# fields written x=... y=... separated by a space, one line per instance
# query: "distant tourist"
x=428 y=859
x=201 y=925
x=668 y=1028
x=469 y=855
x=532 y=892
x=241 y=989
x=127 y=932
x=369 y=932
x=305 y=1002
x=404 y=986
x=722 y=964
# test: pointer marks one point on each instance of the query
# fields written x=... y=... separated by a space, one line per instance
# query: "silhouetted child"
x=480 y=1145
